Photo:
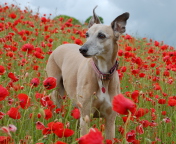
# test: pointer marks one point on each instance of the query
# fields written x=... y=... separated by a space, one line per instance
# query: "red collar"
x=108 y=75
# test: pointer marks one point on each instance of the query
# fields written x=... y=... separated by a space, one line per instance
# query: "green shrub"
x=74 y=20
x=88 y=19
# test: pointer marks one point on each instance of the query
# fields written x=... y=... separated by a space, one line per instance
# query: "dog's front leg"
x=110 y=126
x=85 y=118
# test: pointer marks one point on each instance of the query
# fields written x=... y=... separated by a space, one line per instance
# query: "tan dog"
x=88 y=73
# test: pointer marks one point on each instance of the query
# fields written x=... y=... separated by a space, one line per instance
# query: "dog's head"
x=100 y=38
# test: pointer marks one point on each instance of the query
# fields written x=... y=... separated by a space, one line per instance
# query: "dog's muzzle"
x=83 y=50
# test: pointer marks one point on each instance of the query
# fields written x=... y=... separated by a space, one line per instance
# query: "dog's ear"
x=94 y=19
x=118 y=25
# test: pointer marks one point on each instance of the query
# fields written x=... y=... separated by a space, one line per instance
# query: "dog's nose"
x=83 y=50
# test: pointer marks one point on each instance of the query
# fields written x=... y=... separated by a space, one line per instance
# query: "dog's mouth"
x=88 y=56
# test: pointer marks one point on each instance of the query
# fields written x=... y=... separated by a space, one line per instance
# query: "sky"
x=153 y=19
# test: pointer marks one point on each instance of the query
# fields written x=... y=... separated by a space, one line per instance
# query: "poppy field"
x=147 y=71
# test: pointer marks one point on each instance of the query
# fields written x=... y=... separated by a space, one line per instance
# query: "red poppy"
x=2 y=70
x=157 y=86
x=78 y=41
x=46 y=131
x=128 y=48
x=2 y=115
x=141 y=112
x=161 y=101
x=14 y=113
x=93 y=137
x=40 y=126
x=142 y=75
x=35 y=82
x=123 y=69
x=139 y=129
x=38 y=55
x=24 y=100
x=67 y=132
x=172 y=102
x=157 y=43
x=120 y=52
x=12 y=15
x=3 y=93
x=13 y=77
x=131 y=136
x=49 y=83
x=128 y=37
x=48 y=114
x=75 y=113
x=5 y=140
x=59 y=142
x=121 y=105
x=55 y=126
x=27 y=48
x=43 y=19
x=108 y=141
x=135 y=96
x=145 y=123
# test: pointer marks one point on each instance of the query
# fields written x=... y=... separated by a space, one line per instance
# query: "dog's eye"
x=87 y=35
x=101 y=36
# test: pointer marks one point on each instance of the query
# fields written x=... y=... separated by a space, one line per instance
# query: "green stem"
x=125 y=126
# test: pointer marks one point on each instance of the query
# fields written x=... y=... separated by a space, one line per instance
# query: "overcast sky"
x=154 y=19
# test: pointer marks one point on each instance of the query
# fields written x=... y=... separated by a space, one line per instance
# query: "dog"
x=87 y=73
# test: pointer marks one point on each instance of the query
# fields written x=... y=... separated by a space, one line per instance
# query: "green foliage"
x=74 y=20
x=88 y=19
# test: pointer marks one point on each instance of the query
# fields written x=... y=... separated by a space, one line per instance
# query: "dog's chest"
x=103 y=101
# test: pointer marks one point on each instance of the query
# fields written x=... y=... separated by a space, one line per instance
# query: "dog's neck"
x=105 y=62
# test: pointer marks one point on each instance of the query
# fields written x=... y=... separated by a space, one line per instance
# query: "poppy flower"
x=108 y=141
x=78 y=41
x=13 y=77
x=55 y=125
x=5 y=139
x=46 y=131
x=48 y=114
x=161 y=101
x=12 y=16
x=2 y=70
x=75 y=113
x=24 y=100
x=131 y=136
x=135 y=96
x=172 y=102
x=39 y=125
x=145 y=123
x=2 y=115
x=93 y=137
x=141 y=112
x=121 y=105
x=49 y=83
x=35 y=82
x=139 y=129
x=27 y=48
x=59 y=142
x=167 y=120
x=14 y=113
x=12 y=128
x=3 y=93
x=43 y=19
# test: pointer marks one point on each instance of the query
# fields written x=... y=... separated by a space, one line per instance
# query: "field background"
x=147 y=72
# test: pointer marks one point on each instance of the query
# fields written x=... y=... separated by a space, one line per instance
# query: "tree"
x=88 y=19
x=74 y=20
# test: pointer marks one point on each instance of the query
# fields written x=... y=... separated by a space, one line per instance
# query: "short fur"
x=71 y=65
